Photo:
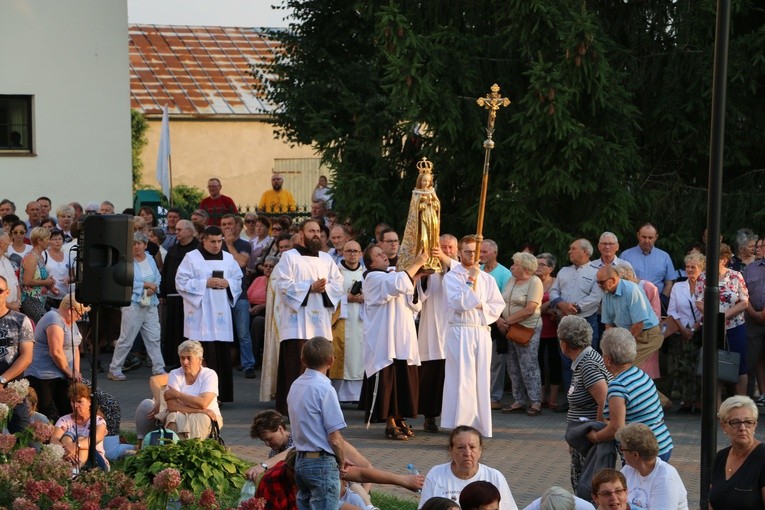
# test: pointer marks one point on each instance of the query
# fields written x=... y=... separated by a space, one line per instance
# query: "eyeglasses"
x=747 y=423
x=267 y=266
x=608 y=494
x=249 y=221
x=276 y=229
x=18 y=232
x=542 y=264
x=602 y=282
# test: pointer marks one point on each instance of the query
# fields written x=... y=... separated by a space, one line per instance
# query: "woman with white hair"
x=190 y=402
x=632 y=396
x=738 y=471
x=746 y=242
x=523 y=297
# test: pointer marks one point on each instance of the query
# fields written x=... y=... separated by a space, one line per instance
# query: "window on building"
x=15 y=124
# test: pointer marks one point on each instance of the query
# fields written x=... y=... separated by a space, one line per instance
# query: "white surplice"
x=295 y=273
x=389 y=331
x=434 y=317
x=468 y=349
x=347 y=372
x=206 y=311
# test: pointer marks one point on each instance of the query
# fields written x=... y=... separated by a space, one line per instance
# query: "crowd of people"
x=401 y=329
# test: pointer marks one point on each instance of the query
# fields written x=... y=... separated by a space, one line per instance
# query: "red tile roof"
x=197 y=71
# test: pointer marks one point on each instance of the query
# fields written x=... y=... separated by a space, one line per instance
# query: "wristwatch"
x=264 y=466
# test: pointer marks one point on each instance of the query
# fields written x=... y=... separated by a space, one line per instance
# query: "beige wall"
x=240 y=153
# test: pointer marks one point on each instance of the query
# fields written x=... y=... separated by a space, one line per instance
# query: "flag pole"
x=492 y=102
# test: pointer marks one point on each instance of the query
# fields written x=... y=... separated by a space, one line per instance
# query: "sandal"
x=513 y=409
x=406 y=429
x=395 y=433
x=533 y=411
x=551 y=406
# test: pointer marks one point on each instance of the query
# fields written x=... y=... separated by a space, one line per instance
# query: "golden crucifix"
x=492 y=102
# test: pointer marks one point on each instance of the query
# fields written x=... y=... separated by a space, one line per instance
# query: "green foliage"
x=138 y=127
x=387 y=501
x=608 y=126
x=202 y=464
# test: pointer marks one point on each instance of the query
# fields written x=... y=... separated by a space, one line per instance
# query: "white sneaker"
x=116 y=376
x=760 y=401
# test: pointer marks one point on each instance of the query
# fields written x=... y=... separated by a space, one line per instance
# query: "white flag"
x=163 y=155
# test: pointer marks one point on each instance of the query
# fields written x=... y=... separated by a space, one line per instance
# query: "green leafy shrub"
x=202 y=465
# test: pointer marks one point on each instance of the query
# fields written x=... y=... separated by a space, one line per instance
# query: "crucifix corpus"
x=492 y=102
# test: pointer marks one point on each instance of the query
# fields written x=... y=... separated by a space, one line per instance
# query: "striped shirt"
x=587 y=369
x=642 y=402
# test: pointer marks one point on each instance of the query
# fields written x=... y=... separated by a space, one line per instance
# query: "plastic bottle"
x=412 y=471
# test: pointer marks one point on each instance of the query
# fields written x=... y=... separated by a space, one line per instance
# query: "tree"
x=608 y=126
x=138 y=127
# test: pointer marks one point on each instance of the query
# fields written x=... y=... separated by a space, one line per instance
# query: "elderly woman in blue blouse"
x=632 y=396
x=141 y=315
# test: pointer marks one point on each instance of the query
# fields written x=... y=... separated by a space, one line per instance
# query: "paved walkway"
x=530 y=452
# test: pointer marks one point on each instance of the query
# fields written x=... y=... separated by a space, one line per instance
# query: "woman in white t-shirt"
x=651 y=483
x=448 y=480
x=189 y=405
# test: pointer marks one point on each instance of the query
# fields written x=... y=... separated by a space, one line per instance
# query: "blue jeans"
x=318 y=482
x=241 y=315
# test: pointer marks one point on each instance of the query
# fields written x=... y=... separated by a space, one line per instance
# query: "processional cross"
x=492 y=102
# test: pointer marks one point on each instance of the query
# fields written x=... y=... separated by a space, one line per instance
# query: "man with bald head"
x=277 y=199
x=651 y=263
x=172 y=334
x=625 y=305
x=347 y=373
x=217 y=204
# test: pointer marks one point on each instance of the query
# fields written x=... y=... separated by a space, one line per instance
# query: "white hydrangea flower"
x=21 y=387
x=52 y=452
x=4 y=411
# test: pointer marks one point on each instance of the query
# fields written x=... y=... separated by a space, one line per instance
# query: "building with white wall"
x=64 y=102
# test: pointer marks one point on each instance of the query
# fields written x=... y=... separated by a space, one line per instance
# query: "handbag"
x=727 y=364
x=215 y=433
x=518 y=334
x=161 y=436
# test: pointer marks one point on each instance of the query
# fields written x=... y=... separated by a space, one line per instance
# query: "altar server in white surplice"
x=310 y=287
x=209 y=280
x=474 y=303
x=391 y=353
x=347 y=372
x=434 y=320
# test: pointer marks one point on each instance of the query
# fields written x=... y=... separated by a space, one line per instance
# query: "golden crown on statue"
x=425 y=166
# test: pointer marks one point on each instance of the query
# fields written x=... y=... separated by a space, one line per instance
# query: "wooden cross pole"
x=492 y=102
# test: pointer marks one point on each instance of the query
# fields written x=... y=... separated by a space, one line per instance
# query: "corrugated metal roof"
x=197 y=71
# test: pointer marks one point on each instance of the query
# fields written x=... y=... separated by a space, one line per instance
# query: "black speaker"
x=105 y=260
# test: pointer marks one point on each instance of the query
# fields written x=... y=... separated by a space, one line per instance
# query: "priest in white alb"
x=391 y=353
x=209 y=280
x=434 y=321
x=474 y=303
x=310 y=287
